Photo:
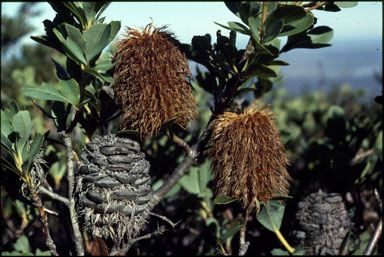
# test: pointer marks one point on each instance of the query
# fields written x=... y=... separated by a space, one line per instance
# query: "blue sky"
x=356 y=50
x=187 y=19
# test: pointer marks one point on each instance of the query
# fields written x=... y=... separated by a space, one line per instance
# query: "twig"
x=54 y=195
x=359 y=156
x=316 y=6
x=49 y=211
x=77 y=238
x=179 y=142
x=126 y=247
x=378 y=199
x=376 y=236
x=173 y=225
x=44 y=220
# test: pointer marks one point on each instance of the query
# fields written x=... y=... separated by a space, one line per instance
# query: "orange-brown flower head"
x=151 y=81
x=248 y=157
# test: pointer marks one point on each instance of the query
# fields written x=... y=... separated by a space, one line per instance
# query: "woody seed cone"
x=248 y=157
x=151 y=81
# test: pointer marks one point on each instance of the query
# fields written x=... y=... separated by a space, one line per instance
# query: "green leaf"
x=295 y=20
x=222 y=199
x=96 y=38
x=205 y=175
x=314 y=38
x=22 y=124
x=70 y=90
x=5 y=163
x=235 y=227
x=261 y=71
x=271 y=215
x=35 y=147
x=77 y=11
x=190 y=182
x=233 y=7
x=101 y=7
x=22 y=244
x=345 y=4
x=279 y=252
x=344 y=243
x=273 y=29
x=278 y=62
x=236 y=26
x=7 y=144
x=249 y=9
x=13 y=109
x=46 y=92
x=115 y=27
x=6 y=126
x=321 y=35
x=99 y=76
x=297 y=26
x=42 y=253
x=60 y=71
x=72 y=50
x=75 y=35
x=254 y=25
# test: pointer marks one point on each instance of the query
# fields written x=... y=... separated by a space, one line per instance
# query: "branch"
x=77 y=239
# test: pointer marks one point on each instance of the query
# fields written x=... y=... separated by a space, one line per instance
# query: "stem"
x=281 y=237
x=44 y=220
x=244 y=244
x=263 y=18
x=77 y=239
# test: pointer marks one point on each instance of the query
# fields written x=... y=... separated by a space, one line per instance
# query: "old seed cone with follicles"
x=248 y=157
x=151 y=81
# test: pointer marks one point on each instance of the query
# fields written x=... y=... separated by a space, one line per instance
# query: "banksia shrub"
x=323 y=223
x=151 y=81
x=113 y=188
x=248 y=157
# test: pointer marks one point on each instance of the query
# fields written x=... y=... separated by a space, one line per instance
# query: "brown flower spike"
x=151 y=81
x=248 y=157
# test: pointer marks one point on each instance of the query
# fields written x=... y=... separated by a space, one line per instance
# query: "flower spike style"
x=151 y=81
x=248 y=157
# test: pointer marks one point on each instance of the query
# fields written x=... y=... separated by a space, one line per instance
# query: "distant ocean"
x=353 y=63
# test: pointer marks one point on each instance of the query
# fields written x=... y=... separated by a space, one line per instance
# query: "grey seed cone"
x=323 y=223
x=113 y=188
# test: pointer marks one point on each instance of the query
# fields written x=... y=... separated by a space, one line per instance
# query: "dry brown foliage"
x=248 y=157
x=151 y=81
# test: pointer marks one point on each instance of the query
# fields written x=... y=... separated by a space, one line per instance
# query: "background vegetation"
x=333 y=141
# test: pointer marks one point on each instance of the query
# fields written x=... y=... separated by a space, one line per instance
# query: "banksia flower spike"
x=248 y=157
x=151 y=81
